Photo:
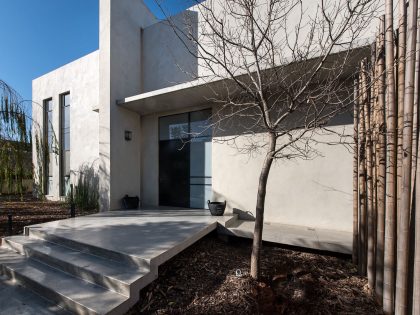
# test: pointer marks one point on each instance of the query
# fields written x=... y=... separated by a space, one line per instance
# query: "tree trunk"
x=259 y=217
x=390 y=217
x=401 y=296
x=362 y=181
x=381 y=160
x=355 y=174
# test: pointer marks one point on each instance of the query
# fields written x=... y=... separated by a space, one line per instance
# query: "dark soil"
x=211 y=277
x=29 y=210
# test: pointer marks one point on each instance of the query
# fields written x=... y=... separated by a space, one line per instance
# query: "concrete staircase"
x=78 y=277
x=97 y=264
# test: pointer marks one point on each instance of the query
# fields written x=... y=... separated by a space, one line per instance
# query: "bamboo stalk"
x=355 y=174
x=401 y=48
x=362 y=180
x=416 y=203
x=374 y=124
x=390 y=214
x=370 y=193
x=415 y=117
x=416 y=280
x=401 y=296
x=381 y=161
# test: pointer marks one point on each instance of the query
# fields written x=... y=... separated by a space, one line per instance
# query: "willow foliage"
x=15 y=141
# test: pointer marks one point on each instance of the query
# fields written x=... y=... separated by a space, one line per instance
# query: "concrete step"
x=45 y=234
x=107 y=273
x=16 y=299
x=69 y=292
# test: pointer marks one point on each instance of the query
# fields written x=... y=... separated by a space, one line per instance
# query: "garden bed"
x=211 y=277
x=29 y=210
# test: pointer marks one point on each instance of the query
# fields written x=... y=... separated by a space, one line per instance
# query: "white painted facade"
x=140 y=56
x=81 y=79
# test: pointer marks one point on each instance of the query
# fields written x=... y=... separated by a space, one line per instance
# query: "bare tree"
x=285 y=70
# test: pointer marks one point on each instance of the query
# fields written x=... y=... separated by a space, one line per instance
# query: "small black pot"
x=130 y=203
x=217 y=208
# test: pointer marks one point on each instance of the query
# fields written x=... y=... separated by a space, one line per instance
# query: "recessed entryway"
x=185 y=159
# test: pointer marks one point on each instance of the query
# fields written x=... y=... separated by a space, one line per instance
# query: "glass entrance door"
x=185 y=159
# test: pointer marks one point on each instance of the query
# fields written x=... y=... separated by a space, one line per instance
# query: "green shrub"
x=86 y=191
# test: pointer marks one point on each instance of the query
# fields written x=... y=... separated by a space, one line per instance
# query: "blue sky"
x=37 y=36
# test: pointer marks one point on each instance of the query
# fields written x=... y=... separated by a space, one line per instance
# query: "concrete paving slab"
x=335 y=241
x=301 y=236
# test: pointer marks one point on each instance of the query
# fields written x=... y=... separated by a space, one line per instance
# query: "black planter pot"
x=216 y=208
x=130 y=203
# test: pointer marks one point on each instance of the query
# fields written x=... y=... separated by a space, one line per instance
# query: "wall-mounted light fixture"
x=128 y=135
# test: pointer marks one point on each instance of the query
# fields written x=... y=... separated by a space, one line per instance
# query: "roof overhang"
x=193 y=93
x=201 y=91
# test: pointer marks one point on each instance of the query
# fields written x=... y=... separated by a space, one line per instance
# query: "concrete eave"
x=193 y=93
x=204 y=91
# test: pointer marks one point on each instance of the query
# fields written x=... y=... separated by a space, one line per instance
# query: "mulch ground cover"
x=29 y=210
x=211 y=277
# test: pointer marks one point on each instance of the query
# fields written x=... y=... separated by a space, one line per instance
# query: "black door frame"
x=185 y=139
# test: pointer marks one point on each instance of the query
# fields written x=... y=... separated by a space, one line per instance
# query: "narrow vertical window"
x=48 y=140
x=65 y=143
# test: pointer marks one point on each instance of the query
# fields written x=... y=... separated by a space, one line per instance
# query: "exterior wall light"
x=128 y=135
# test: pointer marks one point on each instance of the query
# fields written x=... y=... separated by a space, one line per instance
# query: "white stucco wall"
x=313 y=193
x=121 y=22
x=81 y=79
x=138 y=54
x=300 y=14
x=166 y=59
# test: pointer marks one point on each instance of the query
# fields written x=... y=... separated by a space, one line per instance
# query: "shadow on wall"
x=103 y=170
x=86 y=187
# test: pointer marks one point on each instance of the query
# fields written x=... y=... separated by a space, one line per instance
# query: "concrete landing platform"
x=301 y=236
x=151 y=235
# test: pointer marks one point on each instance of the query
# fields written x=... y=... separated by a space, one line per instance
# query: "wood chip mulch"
x=211 y=277
x=29 y=210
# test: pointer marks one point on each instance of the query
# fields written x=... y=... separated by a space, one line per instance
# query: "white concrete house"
x=118 y=110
